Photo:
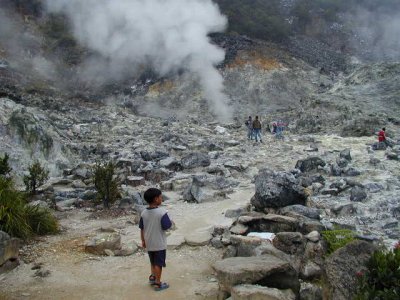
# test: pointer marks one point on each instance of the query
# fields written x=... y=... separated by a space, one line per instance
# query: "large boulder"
x=266 y=270
x=342 y=265
x=258 y=292
x=9 y=248
x=195 y=159
x=102 y=242
x=277 y=189
x=310 y=164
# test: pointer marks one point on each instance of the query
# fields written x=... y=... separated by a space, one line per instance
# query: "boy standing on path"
x=257 y=129
x=153 y=222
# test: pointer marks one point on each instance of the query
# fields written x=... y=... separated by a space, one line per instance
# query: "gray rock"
x=156 y=175
x=311 y=271
x=195 y=160
x=234 y=213
x=9 y=248
x=175 y=241
x=309 y=225
x=231 y=143
x=239 y=229
x=157 y=155
x=310 y=164
x=208 y=188
x=342 y=265
x=170 y=163
x=308 y=180
x=309 y=212
x=345 y=154
x=127 y=251
x=290 y=242
x=336 y=170
x=374 y=187
x=352 y=172
x=269 y=223
x=374 y=161
x=392 y=155
x=309 y=291
x=198 y=238
x=357 y=194
x=98 y=245
x=266 y=270
x=245 y=245
x=254 y=292
x=342 y=162
x=135 y=181
x=277 y=189
x=268 y=248
x=313 y=236
x=217 y=243
x=230 y=251
x=343 y=210
x=82 y=171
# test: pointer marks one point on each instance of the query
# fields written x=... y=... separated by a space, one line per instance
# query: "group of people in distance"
x=253 y=129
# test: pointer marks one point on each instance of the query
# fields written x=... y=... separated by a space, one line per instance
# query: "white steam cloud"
x=169 y=35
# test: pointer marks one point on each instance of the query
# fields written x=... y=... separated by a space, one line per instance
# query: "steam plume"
x=168 y=35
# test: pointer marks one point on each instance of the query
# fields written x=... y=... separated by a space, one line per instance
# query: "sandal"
x=152 y=279
x=160 y=286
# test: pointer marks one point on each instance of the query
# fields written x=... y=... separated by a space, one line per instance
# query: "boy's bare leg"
x=153 y=271
x=157 y=273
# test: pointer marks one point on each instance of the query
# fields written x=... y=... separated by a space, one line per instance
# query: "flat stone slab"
x=201 y=238
x=266 y=270
x=174 y=241
x=248 y=292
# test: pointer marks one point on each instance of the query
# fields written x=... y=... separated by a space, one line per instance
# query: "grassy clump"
x=382 y=278
x=337 y=238
x=106 y=184
x=40 y=220
x=19 y=219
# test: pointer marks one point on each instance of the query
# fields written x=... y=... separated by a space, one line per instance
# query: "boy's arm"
x=142 y=237
x=166 y=222
x=141 y=226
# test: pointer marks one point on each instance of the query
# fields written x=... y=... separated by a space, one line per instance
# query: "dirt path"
x=77 y=275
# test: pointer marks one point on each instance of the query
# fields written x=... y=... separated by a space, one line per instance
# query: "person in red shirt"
x=382 y=136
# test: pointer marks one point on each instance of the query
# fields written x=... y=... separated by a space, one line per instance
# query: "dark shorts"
x=157 y=258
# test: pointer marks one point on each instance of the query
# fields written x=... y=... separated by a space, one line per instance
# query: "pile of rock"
x=277 y=251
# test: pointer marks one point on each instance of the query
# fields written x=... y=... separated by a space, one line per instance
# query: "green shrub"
x=382 y=278
x=5 y=168
x=337 y=238
x=20 y=220
x=106 y=184
x=37 y=177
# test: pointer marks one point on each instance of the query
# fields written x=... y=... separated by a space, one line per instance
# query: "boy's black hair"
x=384 y=129
x=151 y=194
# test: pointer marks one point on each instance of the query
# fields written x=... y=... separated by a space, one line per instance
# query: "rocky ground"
x=219 y=187
x=207 y=173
